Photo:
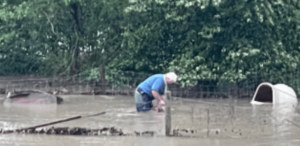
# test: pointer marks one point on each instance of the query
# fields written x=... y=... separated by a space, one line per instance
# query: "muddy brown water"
x=213 y=122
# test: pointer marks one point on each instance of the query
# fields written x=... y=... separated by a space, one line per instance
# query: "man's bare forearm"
x=160 y=101
x=157 y=96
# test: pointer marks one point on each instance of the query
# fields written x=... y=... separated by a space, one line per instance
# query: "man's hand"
x=161 y=103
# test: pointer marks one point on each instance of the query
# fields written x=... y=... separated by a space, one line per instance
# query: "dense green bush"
x=200 y=40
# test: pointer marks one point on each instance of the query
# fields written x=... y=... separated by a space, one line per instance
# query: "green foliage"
x=201 y=40
x=240 y=39
x=91 y=74
x=120 y=78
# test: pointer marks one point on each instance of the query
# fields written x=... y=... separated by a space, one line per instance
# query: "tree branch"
x=52 y=26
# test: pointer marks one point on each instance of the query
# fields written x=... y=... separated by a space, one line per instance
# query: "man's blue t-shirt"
x=154 y=82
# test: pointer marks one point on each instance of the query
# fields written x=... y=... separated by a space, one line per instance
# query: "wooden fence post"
x=168 y=120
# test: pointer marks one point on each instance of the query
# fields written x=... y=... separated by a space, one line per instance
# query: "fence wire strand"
x=124 y=83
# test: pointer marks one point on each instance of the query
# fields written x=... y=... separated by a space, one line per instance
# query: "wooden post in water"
x=168 y=121
x=167 y=117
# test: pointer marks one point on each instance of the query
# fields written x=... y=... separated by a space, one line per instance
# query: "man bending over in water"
x=154 y=87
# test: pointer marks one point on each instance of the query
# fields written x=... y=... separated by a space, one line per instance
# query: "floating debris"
x=176 y=132
x=106 y=131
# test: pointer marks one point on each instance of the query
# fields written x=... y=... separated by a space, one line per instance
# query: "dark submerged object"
x=32 y=96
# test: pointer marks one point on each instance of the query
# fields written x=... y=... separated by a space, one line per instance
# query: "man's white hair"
x=172 y=76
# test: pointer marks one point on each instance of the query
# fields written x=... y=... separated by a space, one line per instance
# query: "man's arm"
x=157 y=96
x=157 y=86
x=160 y=100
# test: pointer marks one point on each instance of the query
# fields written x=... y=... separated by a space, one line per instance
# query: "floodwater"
x=213 y=122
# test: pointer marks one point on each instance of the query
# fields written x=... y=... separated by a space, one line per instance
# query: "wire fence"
x=190 y=117
x=124 y=83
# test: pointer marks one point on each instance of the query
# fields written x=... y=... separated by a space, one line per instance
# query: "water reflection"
x=281 y=115
x=34 y=108
x=151 y=121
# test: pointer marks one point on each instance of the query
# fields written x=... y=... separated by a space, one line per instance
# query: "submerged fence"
x=124 y=83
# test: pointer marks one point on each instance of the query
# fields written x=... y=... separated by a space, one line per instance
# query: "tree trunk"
x=102 y=79
x=75 y=65
x=78 y=29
